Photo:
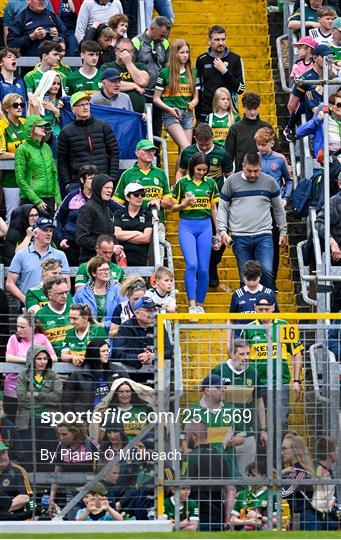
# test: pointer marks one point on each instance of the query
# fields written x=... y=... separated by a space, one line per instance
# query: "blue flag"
x=127 y=126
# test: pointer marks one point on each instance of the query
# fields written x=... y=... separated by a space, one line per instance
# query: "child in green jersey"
x=189 y=511
x=176 y=93
x=223 y=115
x=250 y=507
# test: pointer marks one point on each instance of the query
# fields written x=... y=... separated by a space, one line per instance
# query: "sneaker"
x=289 y=134
x=192 y=309
x=200 y=309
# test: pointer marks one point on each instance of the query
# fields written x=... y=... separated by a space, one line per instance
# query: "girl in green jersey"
x=223 y=115
x=176 y=93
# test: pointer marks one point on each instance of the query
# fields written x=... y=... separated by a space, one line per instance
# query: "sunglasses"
x=338 y=104
x=138 y=194
x=16 y=105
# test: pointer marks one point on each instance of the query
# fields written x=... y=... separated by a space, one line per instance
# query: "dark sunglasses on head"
x=16 y=105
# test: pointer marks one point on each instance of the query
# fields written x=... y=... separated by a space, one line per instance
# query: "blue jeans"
x=258 y=247
x=163 y=7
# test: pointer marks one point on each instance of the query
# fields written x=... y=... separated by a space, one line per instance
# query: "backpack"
x=301 y=198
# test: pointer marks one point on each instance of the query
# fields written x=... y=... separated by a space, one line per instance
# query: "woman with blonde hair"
x=176 y=93
x=223 y=116
x=133 y=287
x=11 y=136
x=299 y=466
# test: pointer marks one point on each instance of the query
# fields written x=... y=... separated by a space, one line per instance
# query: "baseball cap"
x=97 y=488
x=212 y=380
x=337 y=23
x=306 y=40
x=145 y=144
x=145 y=302
x=77 y=96
x=44 y=223
x=322 y=50
x=264 y=300
x=111 y=74
x=3 y=447
x=132 y=188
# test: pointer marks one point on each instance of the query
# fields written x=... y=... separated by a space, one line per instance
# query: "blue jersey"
x=17 y=87
x=275 y=164
x=243 y=300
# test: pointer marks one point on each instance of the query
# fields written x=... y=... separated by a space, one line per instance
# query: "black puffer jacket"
x=88 y=141
x=94 y=218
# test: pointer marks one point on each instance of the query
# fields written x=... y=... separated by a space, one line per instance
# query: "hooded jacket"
x=89 y=141
x=94 y=218
x=144 y=392
x=35 y=168
x=49 y=397
x=79 y=391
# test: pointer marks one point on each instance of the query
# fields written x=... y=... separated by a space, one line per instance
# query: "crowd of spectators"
x=75 y=223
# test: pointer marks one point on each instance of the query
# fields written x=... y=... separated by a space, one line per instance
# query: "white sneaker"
x=192 y=309
x=200 y=309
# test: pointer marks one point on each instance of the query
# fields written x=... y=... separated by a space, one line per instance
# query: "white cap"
x=132 y=188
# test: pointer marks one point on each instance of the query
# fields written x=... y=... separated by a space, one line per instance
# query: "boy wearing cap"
x=305 y=60
x=255 y=333
x=323 y=34
x=110 y=93
x=133 y=226
x=88 y=78
x=152 y=179
x=97 y=507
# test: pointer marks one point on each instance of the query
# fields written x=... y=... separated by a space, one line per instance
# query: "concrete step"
x=222 y=298
x=230 y=284
x=231 y=275
x=218 y=308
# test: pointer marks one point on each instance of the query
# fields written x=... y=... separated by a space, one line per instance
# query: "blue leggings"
x=195 y=238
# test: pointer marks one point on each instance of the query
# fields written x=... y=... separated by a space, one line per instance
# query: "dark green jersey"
x=240 y=387
x=77 y=344
x=55 y=326
x=254 y=498
x=188 y=509
x=255 y=335
x=220 y=162
x=138 y=100
x=135 y=420
x=205 y=191
x=36 y=297
x=33 y=78
x=184 y=94
x=221 y=126
x=77 y=82
x=154 y=182
x=83 y=276
x=221 y=428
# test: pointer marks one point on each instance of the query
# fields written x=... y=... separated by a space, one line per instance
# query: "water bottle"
x=45 y=499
